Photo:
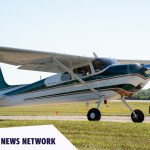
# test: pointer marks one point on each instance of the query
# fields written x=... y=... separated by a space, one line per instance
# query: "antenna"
x=95 y=55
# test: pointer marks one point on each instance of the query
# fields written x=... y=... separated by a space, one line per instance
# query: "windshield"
x=101 y=63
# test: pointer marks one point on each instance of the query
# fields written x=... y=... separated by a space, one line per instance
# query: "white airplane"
x=78 y=79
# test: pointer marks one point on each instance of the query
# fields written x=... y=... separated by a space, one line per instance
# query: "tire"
x=94 y=114
x=139 y=118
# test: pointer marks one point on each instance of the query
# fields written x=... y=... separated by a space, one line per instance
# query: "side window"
x=65 y=76
x=82 y=71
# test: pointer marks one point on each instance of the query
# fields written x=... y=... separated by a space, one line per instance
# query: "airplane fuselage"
x=113 y=81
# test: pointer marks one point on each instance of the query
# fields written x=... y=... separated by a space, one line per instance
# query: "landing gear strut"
x=137 y=115
x=94 y=114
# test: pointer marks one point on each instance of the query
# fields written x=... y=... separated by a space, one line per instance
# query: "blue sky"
x=116 y=29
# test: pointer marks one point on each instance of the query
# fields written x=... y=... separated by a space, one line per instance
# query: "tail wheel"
x=94 y=114
x=139 y=116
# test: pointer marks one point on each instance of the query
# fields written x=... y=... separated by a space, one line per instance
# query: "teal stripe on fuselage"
x=10 y=87
x=28 y=88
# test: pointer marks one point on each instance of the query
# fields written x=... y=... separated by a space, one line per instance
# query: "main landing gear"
x=137 y=115
x=94 y=114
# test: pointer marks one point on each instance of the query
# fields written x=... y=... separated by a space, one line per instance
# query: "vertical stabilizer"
x=3 y=84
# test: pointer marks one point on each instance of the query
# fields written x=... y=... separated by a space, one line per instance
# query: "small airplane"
x=78 y=79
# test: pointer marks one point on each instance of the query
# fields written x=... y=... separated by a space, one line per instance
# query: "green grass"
x=115 y=108
x=87 y=135
x=98 y=135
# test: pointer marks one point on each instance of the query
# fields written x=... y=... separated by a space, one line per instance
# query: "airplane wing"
x=124 y=61
x=40 y=61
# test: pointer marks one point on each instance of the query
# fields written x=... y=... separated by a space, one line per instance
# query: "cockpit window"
x=101 y=63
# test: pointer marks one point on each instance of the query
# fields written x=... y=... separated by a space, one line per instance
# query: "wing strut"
x=76 y=77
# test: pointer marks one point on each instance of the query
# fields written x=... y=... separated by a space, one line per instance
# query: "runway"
x=72 y=118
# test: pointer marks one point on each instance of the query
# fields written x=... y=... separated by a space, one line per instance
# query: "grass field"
x=87 y=135
x=115 y=108
x=98 y=135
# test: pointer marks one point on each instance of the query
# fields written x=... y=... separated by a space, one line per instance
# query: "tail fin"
x=3 y=84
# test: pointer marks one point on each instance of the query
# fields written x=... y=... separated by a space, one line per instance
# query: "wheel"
x=94 y=114
x=139 y=118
